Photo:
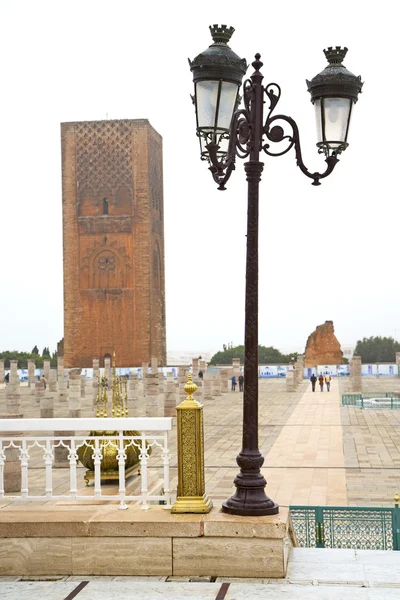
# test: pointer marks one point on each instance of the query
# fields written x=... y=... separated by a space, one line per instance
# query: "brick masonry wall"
x=114 y=286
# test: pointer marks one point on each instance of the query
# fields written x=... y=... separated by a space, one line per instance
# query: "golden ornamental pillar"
x=191 y=497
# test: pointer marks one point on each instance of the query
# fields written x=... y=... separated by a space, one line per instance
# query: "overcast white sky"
x=327 y=252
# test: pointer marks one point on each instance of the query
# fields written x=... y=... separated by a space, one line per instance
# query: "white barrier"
x=153 y=434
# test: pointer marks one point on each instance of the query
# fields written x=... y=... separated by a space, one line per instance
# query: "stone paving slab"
x=181 y=591
x=320 y=574
x=108 y=588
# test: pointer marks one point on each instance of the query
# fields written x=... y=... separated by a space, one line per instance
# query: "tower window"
x=105 y=206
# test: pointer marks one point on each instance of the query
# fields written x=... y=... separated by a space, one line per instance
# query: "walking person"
x=328 y=381
x=313 y=380
x=234 y=383
x=241 y=382
x=44 y=381
x=321 y=382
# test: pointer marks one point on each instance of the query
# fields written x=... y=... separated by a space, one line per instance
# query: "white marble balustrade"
x=27 y=438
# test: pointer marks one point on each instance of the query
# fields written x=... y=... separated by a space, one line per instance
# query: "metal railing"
x=381 y=400
x=361 y=528
x=110 y=433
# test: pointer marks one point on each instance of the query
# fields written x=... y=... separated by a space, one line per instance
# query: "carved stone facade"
x=323 y=347
x=114 y=288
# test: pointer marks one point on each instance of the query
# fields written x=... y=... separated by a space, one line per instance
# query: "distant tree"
x=35 y=350
x=377 y=349
x=53 y=360
x=21 y=357
x=46 y=352
x=225 y=356
x=266 y=355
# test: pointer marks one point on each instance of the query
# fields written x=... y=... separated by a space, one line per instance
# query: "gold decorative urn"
x=109 y=470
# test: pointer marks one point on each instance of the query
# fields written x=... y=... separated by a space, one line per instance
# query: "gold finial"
x=105 y=397
x=99 y=411
x=126 y=396
x=189 y=401
x=396 y=499
x=190 y=388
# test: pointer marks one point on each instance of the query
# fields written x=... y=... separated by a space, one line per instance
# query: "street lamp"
x=225 y=131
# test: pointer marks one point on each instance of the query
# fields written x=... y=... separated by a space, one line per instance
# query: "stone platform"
x=57 y=539
x=313 y=574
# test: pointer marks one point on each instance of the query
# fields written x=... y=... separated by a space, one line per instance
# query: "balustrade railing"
x=23 y=440
x=381 y=400
x=359 y=527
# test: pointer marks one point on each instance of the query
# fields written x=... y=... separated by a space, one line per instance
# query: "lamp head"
x=333 y=92
x=217 y=75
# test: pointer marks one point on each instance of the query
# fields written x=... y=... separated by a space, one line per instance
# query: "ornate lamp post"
x=225 y=132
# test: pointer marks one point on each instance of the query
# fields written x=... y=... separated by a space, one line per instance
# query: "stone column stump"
x=31 y=373
x=74 y=404
x=13 y=394
x=83 y=385
x=217 y=385
x=95 y=380
x=107 y=371
x=46 y=369
x=300 y=368
x=12 y=465
x=195 y=368
x=74 y=412
x=152 y=406
x=208 y=387
x=170 y=396
x=133 y=395
x=223 y=374
x=145 y=372
x=39 y=391
x=47 y=407
x=202 y=365
x=356 y=374
x=160 y=382
x=291 y=380
x=53 y=381
x=62 y=386
x=236 y=367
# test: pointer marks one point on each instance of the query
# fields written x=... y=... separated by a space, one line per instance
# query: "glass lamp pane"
x=336 y=113
x=223 y=144
x=206 y=101
x=227 y=104
x=203 y=149
x=318 y=119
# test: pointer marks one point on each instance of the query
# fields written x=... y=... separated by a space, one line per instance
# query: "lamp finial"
x=221 y=34
x=336 y=55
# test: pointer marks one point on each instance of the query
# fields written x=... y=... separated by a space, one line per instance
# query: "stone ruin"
x=323 y=347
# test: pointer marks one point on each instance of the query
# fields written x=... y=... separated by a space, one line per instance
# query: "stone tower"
x=323 y=347
x=113 y=236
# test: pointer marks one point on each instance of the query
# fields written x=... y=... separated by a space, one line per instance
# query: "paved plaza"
x=312 y=574
x=316 y=451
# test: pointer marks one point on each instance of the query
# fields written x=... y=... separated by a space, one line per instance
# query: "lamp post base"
x=250 y=499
